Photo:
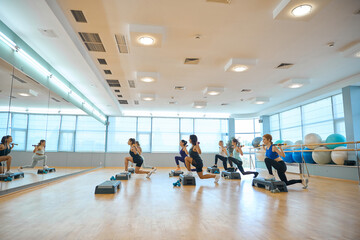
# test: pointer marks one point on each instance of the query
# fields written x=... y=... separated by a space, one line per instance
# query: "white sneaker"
x=217 y=178
x=149 y=174
x=189 y=174
x=305 y=182
x=154 y=169
x=270 y=177
x=46 y=166
x=20 y=169
x=8 y=172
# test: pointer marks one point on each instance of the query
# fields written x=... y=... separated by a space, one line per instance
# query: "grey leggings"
x=36 y=158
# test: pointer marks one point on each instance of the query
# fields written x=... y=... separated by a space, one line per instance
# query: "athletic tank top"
x=194 y=155
x=183 y=153
x=133 y=155
x=236 y=155
x=221 y=152
x=270 y=154
x=40 y=151
x=6 y=151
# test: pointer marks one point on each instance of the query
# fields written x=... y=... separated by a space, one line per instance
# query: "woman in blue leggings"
x=183 y=154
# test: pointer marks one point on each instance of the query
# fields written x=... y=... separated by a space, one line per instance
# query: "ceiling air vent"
x=180 y=88
x=136 y=102
x=123 y=102
x=119 y=95
x=79 y=16
x=285 y=65
x=220 y=1
x=131 y=83
x=224 y=104
x=102 y=61
x=107 y=72
x=357 y=12
x=18 y=79
x=121 y=43
x=92 y=41
x=192 y=61
x=173 y=102
x=113 y=83
x=117 y=91
x=56 y=100
x=245 y=90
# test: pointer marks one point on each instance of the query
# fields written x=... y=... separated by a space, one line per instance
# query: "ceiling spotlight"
x=147 y=79
x=24 y=94
x=213 y=91
x=199 y=104
x=301 y=10
x=357 y=54
x=240 y=68
x=147 y=97
x=295 y=82
x=260 y=100
x=146 y=41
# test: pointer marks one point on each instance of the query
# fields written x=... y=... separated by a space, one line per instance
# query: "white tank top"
x=221 y=152
x=41 y=151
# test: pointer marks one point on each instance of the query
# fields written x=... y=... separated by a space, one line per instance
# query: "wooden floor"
x=31 y=176
x=154 y=209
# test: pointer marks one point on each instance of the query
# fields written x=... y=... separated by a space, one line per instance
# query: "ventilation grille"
x=18 y=79
x=79 y=16
x=220 y=1
x=224 y=104
x=107 y=72
x=285 y=65
x=245 y=90
x=121 y=43
x=102 y=61
x=136 y=102
x=172 y=102
x=192 y=61
x=131 y=83
x=357 y=12
x=123 y=102
x=179 y=88
x=65 y=100
x=56 y=100
x=117 y=91
x=113 y=83
x=119 y=96
x=92 y=41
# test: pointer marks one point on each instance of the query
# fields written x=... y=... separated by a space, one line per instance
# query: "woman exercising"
x=237 y=160
x=222 y=155
x=196 y=161
x=5 y=149
x=39 y=155
x=140 y=153
x=274 y=160
x=137 y=159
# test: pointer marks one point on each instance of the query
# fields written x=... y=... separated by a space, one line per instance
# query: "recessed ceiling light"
x=148 y=99
x=301 y=10
x=240 y=68
x=24 y=94
x=260 y=100
x=199 y=104
x=295 y=85
x=147 y=79
x=357 y=54
x=213 y=91
x=147 y=96
x=295 y=82
x=146 y=41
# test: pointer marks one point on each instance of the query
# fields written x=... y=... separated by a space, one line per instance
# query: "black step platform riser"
x=108 y=187
x=270 y=185
x=187 y=180
x=123 y=176
x=13 y=176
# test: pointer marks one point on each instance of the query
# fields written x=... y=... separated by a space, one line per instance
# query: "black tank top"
x=133 y=155
x=5 y=152
x=195 y=155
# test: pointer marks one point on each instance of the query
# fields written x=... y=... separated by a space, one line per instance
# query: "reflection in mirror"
x=36 y=113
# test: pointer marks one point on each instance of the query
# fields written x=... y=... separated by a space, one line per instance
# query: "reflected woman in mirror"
x=39 y=155
x=5 y=148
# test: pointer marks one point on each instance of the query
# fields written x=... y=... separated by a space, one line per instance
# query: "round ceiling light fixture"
x=301 y=10
x=239 y=68
x=147 y=79
x=146 y=40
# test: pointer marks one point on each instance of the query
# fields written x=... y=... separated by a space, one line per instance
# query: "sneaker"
x=8 y=172
x=215 y=166
x=270 y=178
x=46 y=167
x=154 y=169
x=305 y=182
x=256 y=174
x=20 y=169
x=149 y=174
x=189 y=174
x=217 y=178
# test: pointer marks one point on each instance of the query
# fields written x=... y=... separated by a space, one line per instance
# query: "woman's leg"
x=240 y=167
x=127 y=160
x=6 y=159
x=269 y=164
x=138 y=171
x=177 y=159
x=33 y=164
x=281 y=169
x=202 y=176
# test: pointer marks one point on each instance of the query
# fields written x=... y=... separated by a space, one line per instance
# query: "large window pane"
x=275 y=135
x=245 y=139
x=68 y=122
x=90 y=135
x=324 y=129
x=244 y=126
x=187 y=125
x=119 y=131
x=144 y=140
x=274 y=122
x=165 y=134
x=66 y=142
x=4 y=119
x=291 y=134
x=291 y=118
x=338 y=106
x=340 y=127
x=19 y=137
x=317 y=112
x=144 y=124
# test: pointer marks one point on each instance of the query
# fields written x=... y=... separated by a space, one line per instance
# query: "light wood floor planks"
x=154 y=209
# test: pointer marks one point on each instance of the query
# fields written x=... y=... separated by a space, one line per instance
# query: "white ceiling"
x=243 y=29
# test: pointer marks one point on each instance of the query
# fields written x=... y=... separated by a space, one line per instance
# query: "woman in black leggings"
x=222 y=155
x=237 y=160
x=273 y=160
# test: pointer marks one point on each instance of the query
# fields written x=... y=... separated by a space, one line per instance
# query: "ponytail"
x=268 y=137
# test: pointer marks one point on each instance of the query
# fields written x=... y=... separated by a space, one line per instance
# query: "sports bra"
x=270 y=154
x=5 y=152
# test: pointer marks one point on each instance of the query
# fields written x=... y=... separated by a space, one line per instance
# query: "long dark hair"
x=184 y=142
x=193 y=139
x=4 y=138
x=41 y=141
x=132 y=140
x=235 y=141
x=137 y=143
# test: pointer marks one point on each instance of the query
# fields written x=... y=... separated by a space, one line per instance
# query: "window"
x=290 y=122
x=165 y=134
x=4 y=118
x=18 y=130
x=144 y=133
x=90 y=135
x=210 y=132
x=119 y=131
x=186 y=128
x=67 y=133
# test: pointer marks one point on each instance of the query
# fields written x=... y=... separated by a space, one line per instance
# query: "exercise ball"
x=297 y=156
x=334 y=138
x=288 y=157
x=321 y=157
x=260 y=154
x=279 y=142
x=308 y=156
x=339 y=157
x=287 y=144
x=312 y=138
x=299 y=142
x=256 y=142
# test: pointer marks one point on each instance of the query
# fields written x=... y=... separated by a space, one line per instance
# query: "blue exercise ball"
x=279 y=142
x=334 y=138
x=308 y=156
x=288 y=157
x=256 y=142
x=297 y=156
